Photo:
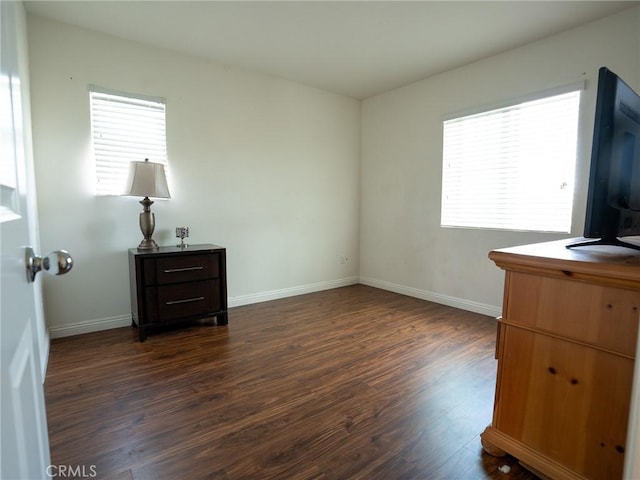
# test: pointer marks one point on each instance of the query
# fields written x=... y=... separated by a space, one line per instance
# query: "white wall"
x=271 y=170
x=403 y=248
x=265 y=167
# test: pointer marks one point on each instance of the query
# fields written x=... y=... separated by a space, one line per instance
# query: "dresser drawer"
x=172 y=302
x=181 y=268
x=595 y=314
x=567 y=401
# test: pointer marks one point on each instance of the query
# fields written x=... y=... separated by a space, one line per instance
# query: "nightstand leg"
x=222 y=319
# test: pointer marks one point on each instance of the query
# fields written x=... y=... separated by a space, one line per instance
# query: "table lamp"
x=147 y=179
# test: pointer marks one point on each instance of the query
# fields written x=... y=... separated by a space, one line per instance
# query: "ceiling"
x=354 y=48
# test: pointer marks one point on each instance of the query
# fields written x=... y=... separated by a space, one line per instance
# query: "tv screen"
x=613 y=199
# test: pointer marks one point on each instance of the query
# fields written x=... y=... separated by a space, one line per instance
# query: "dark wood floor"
x=351 y=383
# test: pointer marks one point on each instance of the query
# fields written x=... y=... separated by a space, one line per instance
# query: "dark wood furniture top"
x=177 y=284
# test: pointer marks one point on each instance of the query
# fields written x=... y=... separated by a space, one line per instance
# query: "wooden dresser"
x=565 y=349
x=175 y=284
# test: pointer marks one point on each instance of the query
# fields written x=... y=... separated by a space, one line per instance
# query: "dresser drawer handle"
x=186 y=300
x=186 y=269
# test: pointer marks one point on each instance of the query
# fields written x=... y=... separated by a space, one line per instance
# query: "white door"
x=24 y=447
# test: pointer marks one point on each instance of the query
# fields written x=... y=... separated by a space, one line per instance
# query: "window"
x=124 y=128
x=512 y=168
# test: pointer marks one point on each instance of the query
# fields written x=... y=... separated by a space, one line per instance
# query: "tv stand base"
x=605 y=241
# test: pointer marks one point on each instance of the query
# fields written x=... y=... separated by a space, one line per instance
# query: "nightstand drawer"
x=185 y=268
x=183 y=300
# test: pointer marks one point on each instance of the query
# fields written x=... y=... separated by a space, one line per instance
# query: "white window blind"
x=512 y=168
x=125 y=128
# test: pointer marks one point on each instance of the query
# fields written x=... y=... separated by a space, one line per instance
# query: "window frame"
x=490 y=222
x=114 y=147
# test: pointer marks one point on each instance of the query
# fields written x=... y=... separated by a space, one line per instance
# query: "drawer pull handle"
x=186 y=300
x=186 y=269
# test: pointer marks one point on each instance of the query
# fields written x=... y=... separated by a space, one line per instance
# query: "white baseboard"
x=90 y=326
x=461 y=303
x=125 y=320
x=290 y=292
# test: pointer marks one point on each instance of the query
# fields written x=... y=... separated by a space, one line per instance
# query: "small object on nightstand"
x=181 y=233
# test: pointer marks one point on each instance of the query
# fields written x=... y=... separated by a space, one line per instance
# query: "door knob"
x=56 y=263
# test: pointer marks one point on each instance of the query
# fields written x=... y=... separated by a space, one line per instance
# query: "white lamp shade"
x=147 y=179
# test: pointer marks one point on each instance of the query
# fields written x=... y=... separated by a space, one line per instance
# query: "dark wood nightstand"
x=174 y=284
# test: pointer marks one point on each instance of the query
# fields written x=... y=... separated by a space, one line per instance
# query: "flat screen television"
x=613 y=199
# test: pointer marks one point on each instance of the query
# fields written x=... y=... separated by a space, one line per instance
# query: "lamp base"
x=147 y=226
x=148 y=244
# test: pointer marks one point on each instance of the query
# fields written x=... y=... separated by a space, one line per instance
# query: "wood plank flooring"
x=351 y=383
